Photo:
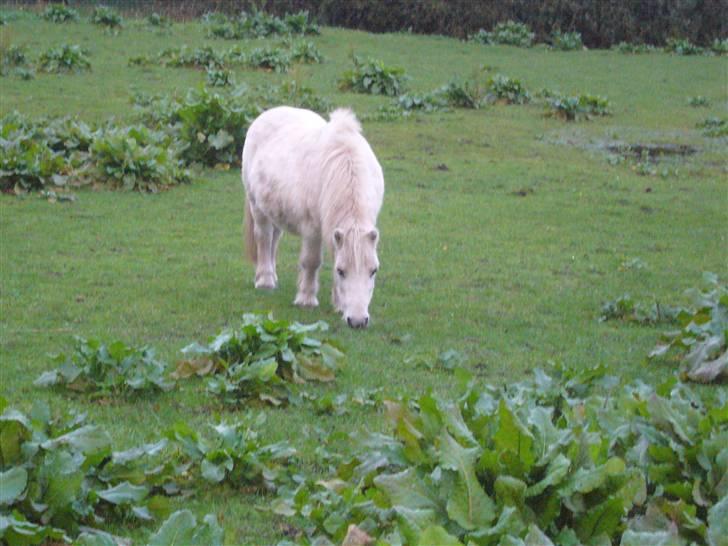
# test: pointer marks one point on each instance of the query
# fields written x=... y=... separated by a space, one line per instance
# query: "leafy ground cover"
x=503 y=231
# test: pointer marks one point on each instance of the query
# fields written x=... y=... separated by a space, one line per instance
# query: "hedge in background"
x=601 y=24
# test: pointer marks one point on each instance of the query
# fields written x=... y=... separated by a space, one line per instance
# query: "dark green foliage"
x=579 y=107
x=720 y=46
x=219 y=77
x=182 y=528
x=683 y=46
x=508 y=90
x=626 y=309
x=234 y=455
x=470 y=93
x=107 y=369
x=261 y=360
x=423 y=102
x=305 y=52
x=269 y=58
x=107 y=17
x=625 y=47
x=568 y=458
x=698 y=101
x=64 y=58
x=508 y=33
x=202 y=57
x=566 y=41
x=157 y=21
x=59 y=13
x=372 y=76
x=714 y=127
x=13 y=60
x=258 y=24
x=137 y=158
x=58 y=473
x=700 y=344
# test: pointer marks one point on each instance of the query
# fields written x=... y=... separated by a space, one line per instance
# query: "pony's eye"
x=340 y=272
x=374 y=272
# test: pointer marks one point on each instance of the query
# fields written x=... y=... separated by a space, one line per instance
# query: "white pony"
x=321 y=181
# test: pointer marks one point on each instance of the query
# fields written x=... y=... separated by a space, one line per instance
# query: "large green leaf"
x=468 y=504
x=513 y=437
x=718 y=523
x=124 y=493
x=437 y=536
x=181 y=529
x=12 y=484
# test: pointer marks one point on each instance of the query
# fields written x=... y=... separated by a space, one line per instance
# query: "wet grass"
x=502 y=232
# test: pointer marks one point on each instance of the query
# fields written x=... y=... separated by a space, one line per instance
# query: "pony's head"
x=355 y=270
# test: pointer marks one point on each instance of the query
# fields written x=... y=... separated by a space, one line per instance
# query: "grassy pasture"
x=505 y=254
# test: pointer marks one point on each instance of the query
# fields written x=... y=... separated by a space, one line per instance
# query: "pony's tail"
x=250 y=247
x=343 y=120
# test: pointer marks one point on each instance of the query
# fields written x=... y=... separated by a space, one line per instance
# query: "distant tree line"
x=602 y=23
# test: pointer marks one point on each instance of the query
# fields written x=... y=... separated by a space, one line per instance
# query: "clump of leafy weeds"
x=108 y=18
x=574 y=108
x=108 y=369
x=269 y=58
x=720 y=47
x=262 y=360
x=469 y=93
x=699 y=101
x=219 y=77
x=258 y=24
x=634 y=49
x=422 y=102
x=182 y=528
x=59 y=477
x=65 y=58
x=305 y=52
x=507 y=33
x=626 y=309
x=566 y=41
x=683 y=46
x=714 y=127
x=137 y=158
x=14 y=60
x=569 y=457
x=508 y=90
x=202 y=57
x=372 y=76
x=157 y=21
x=700 y=345
x=59 y=13
x=234 y=454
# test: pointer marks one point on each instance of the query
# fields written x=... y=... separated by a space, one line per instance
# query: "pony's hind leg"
x=277 y=232
x=309 y=264
x=265 y=274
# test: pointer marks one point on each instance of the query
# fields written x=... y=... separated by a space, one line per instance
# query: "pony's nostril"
x=366 y=322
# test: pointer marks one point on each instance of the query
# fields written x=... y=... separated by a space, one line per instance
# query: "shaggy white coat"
x=323 y=182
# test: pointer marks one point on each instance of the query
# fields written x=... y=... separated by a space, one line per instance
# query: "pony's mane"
x=342 y=163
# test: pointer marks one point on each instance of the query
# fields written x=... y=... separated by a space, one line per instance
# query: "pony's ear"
x=338 y=238
x=373 y=236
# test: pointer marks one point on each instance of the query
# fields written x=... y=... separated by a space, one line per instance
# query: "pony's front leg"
x=265 y=274
x=309 y=264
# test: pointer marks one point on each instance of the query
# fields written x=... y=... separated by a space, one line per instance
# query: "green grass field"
x=505 y=255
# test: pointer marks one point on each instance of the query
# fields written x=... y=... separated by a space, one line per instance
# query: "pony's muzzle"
x=362 y=322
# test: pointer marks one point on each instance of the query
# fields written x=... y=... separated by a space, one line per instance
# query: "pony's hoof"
x=306 y=301
x=265 y=282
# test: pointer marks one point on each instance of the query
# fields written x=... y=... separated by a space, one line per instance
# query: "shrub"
x=465 y=94
x=12 y=57
x=566 y=41
x=64 y=59
x=714 y=127
x=578 y=107
x=508 y=33
x=625 y=47
x=58 y=13
x=202 y=57
x=269 y=58
x=508 y=90
x=107 y=17
x=219 y=77
x=107 y=369
x=372 y=76
x=258 y=24
x=137 y=158
x=683 y=47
